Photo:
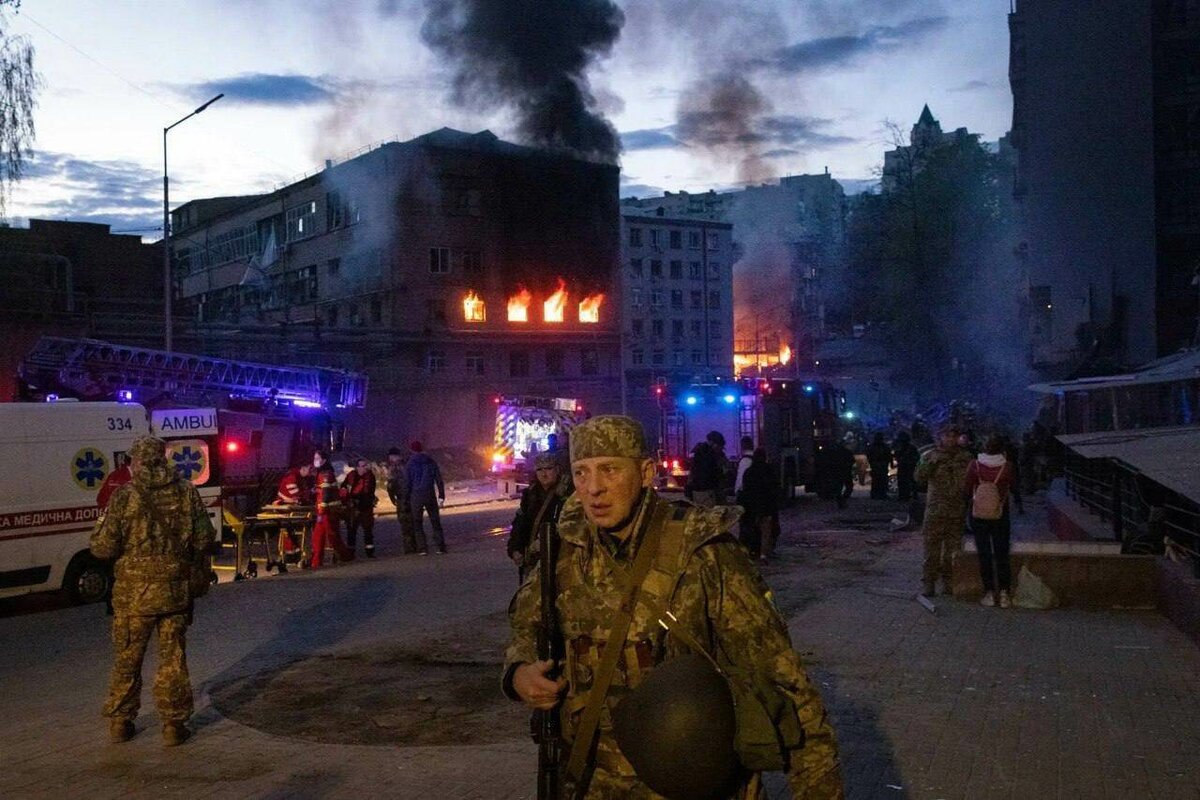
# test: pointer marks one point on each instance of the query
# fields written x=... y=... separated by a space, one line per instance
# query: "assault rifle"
x=545 y=724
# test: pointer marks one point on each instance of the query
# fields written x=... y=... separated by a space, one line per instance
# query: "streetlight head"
x=209 y=103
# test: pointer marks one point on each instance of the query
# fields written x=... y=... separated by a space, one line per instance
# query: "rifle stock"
x=545 y=724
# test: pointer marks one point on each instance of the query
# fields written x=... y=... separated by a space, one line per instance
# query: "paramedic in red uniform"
x=118 y=477
x=294 y=490
x=358 y=490
x=328 y=500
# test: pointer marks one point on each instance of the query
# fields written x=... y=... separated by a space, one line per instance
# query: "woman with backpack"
x=989 y=485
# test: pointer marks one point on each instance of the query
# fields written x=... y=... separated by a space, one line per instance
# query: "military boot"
x=120 y=730
x=175 y=734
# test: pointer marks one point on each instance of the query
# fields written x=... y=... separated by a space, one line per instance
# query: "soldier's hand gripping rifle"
x=545 y=724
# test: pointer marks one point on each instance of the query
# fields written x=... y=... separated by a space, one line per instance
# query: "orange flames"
x=473 y=308
x=552 y=309
x=589 y=308
x=518 y=305
x=785 y=355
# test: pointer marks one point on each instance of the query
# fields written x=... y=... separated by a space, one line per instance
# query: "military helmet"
x=677 y=730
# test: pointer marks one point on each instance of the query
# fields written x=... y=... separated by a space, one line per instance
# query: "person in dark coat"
x=907 y=457
x=706 y=479
x=842 y=465
x=539 y=504
x=879 y=456
x=424 y=478
x=760 y=499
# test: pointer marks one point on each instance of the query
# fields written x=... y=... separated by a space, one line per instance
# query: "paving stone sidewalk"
x=965 y=703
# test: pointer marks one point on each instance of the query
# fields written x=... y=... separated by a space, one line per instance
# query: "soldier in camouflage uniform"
x=944 y=470
x=707 y=582
x=154 y=529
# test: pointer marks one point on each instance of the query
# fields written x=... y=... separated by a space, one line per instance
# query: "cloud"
x=264 y=89
x=970 y=86
x=640 y=190
x=650 y=139
x=124 y=194
x=782 y=152
x=793 y=130
x=838 y=51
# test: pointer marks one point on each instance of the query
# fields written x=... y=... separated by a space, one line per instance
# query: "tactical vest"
x=593 y=583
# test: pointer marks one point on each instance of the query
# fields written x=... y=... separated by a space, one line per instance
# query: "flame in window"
x=473 y=308
x=589 y=308
x=785 y=354
x=552 y=309
x=518 y=305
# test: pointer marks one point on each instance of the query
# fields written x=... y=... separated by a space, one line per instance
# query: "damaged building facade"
x=452 y=269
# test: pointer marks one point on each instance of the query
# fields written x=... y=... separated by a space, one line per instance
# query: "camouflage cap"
x=546 y=461
x=148 y=448
x=610 y=435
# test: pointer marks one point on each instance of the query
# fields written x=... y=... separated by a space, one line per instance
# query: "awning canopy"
x=1167 y=456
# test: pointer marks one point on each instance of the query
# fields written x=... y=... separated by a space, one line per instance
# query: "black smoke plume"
x=532 y=56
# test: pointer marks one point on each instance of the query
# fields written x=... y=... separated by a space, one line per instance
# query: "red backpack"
x=987 y=503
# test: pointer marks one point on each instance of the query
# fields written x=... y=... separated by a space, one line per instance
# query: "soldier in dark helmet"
x=644 y=586
x=154 y=529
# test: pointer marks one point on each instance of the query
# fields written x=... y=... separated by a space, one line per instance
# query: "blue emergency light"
x=730 y=399
x=849 y=415
x=809 y=388
x=691 y=400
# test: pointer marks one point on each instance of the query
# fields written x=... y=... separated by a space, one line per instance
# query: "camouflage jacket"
x=152 y=564
x=945 y=472
x=721 y=602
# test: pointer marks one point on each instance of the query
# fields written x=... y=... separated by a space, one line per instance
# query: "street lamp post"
x=167 y=282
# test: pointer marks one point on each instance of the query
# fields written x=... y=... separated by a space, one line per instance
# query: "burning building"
x=451 y=268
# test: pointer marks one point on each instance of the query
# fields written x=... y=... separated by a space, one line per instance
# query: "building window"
x=676 y=240
x=655 y=268
x=714 y=241
x=637 y=356
x=335 y=216
x=639 y=325
x=658 y=359
x=472 y=261
x=697 y=299
x=376 y=311
x=714 y=299
x=697 y=328
x=518 y=364
x=656 y=299
x=694 y=240
x=714 y=329
x=654 y=237
x=677 y=299
x=697 y=358
x=356 y=318
x=676 y=269
x=677 y=358
x=301 y=221
x=635 y=298
x=333 y=266
x=435 y=361
x=656 y=327
x=589 y=361
x=635 y=266
x=694 y=271
x=677 y=328
x=439 y=260
x=555 y=362
x=435 y=311
x=635 y=237
x=331 y=316
x=714 y=270
x=474 y=363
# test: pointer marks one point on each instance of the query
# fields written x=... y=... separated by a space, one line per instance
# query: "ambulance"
x=56 y=456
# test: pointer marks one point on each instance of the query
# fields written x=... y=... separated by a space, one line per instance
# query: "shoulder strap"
x=613 y=648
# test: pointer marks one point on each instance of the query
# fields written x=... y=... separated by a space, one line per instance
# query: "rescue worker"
x=328 y=502
x=118 y=477
x=358 y=490
x=155 y=527
x=907 y=456
x=879 y=457
x=699 y=574
x=539 y=503
x=944 y=470
x=423 y=479
x=397 y=489
x=295 y=489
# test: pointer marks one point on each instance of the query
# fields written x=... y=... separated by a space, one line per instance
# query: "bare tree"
x=19 y=84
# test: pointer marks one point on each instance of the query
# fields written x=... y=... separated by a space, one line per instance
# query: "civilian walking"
x=989 y=484
x=425 y=490
x=760 y=499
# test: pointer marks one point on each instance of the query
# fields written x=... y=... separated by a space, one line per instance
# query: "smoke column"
x=531 y=55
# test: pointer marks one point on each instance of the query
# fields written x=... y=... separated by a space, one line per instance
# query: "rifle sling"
x=614 y=646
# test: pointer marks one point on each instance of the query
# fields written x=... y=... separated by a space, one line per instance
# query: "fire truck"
x=245 y=423
x=790 y=417
x=524 y=425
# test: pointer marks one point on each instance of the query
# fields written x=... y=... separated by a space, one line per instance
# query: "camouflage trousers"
x=943 y=538
x=613 y=778
x=172 y=685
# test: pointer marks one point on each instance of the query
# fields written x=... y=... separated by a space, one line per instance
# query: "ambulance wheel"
x=87 y=579
x=252 y=569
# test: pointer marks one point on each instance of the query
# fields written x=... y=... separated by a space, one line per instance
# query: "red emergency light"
x=232 y=446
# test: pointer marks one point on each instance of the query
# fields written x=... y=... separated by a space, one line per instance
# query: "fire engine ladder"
x=94 y=367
